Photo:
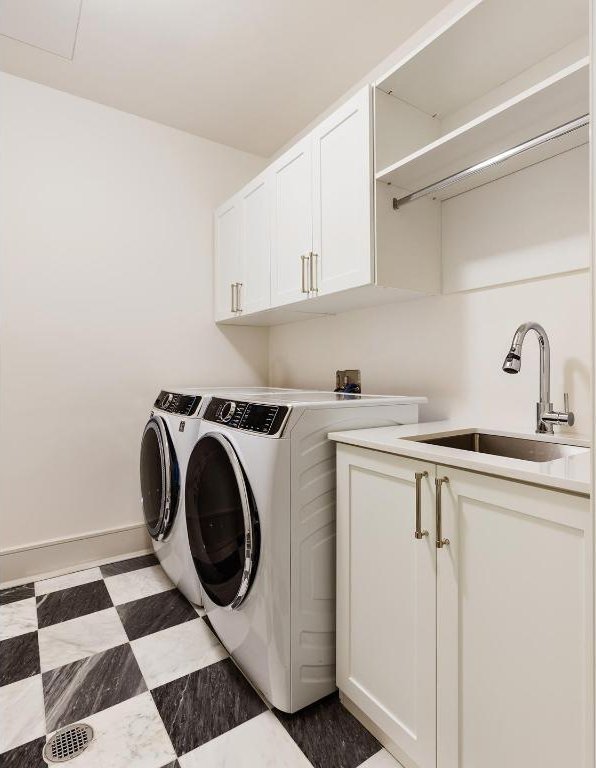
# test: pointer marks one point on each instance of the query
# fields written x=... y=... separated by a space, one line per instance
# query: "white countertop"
x=570 y=473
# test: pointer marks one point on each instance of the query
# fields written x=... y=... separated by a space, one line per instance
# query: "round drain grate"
x=68 y=743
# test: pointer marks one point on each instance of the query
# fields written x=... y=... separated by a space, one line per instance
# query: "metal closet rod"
x=555 y=133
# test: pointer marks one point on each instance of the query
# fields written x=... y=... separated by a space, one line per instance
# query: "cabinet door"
x=514 y=618
x=255 y=290
x=291 y=229
x=386 y=587
x=342 y=197
x=228 y=266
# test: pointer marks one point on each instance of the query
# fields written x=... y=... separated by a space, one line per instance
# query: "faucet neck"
x=544 y=370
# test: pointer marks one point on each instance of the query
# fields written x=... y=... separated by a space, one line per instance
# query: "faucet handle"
x=556 y=417
x=570 y=420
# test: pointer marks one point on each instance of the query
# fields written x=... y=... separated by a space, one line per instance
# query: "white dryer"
x=168 y=438
x=260 y=516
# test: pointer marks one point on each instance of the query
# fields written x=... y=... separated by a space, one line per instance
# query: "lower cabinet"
x=464 y=618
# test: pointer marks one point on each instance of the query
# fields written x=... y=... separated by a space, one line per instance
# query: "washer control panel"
x=174 y=402
x=252 y=417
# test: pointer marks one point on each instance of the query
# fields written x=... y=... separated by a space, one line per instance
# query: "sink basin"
x=500 y=445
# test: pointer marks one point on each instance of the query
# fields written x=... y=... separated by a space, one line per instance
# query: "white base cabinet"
x=386 y=599
x=477 y=653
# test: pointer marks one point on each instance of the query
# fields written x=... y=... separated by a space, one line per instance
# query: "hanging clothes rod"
x=555 y=133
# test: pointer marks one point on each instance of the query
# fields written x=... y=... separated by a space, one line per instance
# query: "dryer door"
x=222 y=521
x=159 y=479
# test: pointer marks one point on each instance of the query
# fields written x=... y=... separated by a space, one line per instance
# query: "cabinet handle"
x=233 y=304
x=314 y=277
x=419 y=533
x=239 y=297
x=305 y=259
x=441 y=542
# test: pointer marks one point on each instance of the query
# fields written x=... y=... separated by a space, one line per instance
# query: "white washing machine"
x=260 y=515
x=168 y=438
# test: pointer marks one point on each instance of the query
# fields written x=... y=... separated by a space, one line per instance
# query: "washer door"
x=222 y=521
x=160 y=479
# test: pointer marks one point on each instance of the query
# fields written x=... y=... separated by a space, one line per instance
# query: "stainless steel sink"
x=499 y=445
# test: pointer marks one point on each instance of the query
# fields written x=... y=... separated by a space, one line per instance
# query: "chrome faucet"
x=545 y=416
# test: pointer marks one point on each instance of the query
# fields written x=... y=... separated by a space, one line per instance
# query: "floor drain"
x=68 y=743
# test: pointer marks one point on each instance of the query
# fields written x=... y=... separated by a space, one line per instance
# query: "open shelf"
x=489 y=43
x=554 y=101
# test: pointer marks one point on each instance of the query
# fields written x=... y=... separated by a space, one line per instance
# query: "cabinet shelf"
x=558 y=99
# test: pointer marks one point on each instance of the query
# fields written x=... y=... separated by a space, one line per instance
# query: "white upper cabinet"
x=342 y=199
x=243 y=252
x=228 y=260
x=291 y=224
x=437 y=178
x=255 y=246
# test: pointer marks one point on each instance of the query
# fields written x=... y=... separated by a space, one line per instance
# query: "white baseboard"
x=41 y=559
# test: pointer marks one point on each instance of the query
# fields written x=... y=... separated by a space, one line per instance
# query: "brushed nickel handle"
x=314 y=277
x=233 y=302
x=305 y=272
x=239 y=297
x=441 y=542
x=419 y=533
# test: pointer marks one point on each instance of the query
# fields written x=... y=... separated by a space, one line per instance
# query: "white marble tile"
x=136 y=584
x=127 y=735
x=381 y=759
x=18 y=618
x=261 y=741
x=67 y=580
x=78 y=638
x=177 y=651
x=22 y=714
x=201 y=611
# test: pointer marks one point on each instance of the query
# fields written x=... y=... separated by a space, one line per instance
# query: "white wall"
x=451 y=348
x=105 y=296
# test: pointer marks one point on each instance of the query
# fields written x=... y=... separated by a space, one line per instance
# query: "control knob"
x=227 y=411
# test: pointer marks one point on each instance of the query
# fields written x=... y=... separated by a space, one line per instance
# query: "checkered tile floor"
x=119 y=648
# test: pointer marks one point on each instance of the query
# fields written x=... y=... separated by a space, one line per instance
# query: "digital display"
x=258 y=418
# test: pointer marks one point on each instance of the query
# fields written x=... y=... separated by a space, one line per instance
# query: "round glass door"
x=159 y=479
x=222 y=521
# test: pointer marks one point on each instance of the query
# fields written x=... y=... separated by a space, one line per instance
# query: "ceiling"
x=248 y=73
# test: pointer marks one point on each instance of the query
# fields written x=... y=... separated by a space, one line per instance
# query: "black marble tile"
x=26 y=756
x=175 y=764
x=80 y=689
x=12 y=594
x=151 y=614
x=124 y=566
x=72 y=602
x=19 y=658
x=200 y=706
x=329 y=735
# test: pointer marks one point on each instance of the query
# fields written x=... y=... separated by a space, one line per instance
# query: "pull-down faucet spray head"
x=512 y=362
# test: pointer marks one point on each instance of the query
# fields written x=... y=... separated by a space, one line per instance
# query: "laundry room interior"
x=268 y=495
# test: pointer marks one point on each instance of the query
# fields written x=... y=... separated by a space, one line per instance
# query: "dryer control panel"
x=252 y=417
x=174 y=402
